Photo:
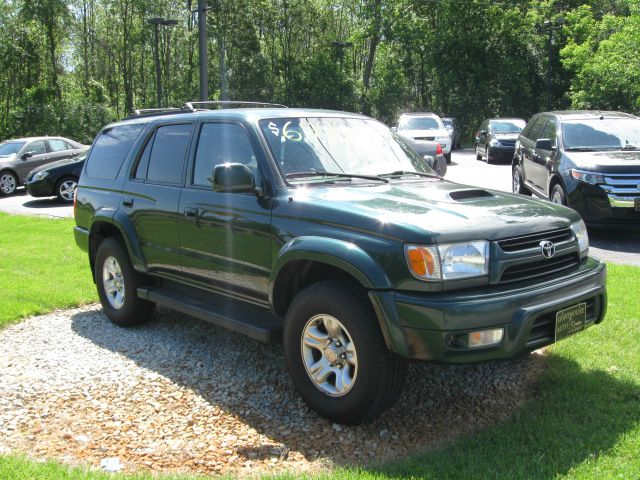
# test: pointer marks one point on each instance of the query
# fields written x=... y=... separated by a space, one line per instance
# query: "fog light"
x=485 y=338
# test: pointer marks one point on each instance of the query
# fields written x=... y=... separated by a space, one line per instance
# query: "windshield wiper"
x=401 y=173
x=294 y=175
x=629 y=147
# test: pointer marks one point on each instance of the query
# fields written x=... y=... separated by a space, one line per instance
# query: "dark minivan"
x=587 y=160
x=496 y=139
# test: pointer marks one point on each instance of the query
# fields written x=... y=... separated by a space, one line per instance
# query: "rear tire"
x=447 y=157
x=336 y=355
x=478 y=156
x=117 y=283
x=66 y=188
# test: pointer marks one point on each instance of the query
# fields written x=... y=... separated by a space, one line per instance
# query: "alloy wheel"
x=113 y=282
x=7 y=183
x=67 y=190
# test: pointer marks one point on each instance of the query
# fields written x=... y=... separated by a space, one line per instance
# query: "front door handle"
x=191 y=212
x=127 y=202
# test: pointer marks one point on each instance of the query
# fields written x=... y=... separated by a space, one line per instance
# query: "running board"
x=250 y=320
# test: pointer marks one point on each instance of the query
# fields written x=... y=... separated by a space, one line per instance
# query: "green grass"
x=41 y=269
x=584 y=421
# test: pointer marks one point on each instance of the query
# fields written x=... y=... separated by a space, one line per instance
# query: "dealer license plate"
x=636 y=204
x=570 y=320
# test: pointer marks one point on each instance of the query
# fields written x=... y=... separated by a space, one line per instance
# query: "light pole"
x=549 y=27
x=156 y=22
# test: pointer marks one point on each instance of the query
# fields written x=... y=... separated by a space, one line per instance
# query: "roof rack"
x=228 y=103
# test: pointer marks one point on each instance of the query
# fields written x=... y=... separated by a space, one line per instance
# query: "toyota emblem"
x=547 y=248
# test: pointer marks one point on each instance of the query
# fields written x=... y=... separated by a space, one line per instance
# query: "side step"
x=250 y=320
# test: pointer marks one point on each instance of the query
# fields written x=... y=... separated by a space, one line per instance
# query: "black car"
x=496 y=139
x=58 y=178
x=453 y=126
x=588 y=160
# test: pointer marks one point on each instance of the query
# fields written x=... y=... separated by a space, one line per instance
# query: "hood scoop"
x=469 y=194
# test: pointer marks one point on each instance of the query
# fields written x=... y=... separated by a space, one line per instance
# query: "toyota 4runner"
x=326 y=231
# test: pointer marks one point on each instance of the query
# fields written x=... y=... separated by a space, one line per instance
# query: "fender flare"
x=123 y=224
x=338 y=253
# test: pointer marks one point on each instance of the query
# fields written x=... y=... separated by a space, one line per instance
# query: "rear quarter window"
x=110 y=149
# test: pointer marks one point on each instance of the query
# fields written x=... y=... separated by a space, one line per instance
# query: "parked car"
x=453 y=126
x=425 y=127
x=496 y=139
x=56 y=179
x=432 y=153
x=323 y=230
x=588 y=160
x=18 y=157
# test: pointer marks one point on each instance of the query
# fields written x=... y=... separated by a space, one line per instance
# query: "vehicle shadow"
x=617 y=241
x=49 y=202
x=496 y=402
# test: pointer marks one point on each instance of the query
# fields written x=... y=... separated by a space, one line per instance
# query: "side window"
x=58 y=145
x=110 y=149
x=36 y=148
x=536 y=129
x=549 y=131
x=168 y=151
x=143 y=163
x=527 y=128
x=221 y=143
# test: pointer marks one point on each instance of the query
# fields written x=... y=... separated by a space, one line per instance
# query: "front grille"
x=622 y=184
x=430 y=139
x=544 y=327
x=540 y=268
x=524 y=242
x=508 y=143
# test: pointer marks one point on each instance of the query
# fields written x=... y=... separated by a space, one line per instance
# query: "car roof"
x=424 y=114
x=587 y=114
x=502 y=119
x=252 y=114
x=30 y=139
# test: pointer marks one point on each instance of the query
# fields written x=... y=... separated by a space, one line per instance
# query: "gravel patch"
x=178 y=394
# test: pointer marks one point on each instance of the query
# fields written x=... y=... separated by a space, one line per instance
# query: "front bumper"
x=502 y=153
x=600 y=208
x=417 y=325
x=39 y=188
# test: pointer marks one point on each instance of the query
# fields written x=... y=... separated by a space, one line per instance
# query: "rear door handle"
x=127 y=202
x=191 y=212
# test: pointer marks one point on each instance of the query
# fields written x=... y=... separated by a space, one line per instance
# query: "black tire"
x=441 y=166
x=478 y=156
x=63 y=189
x=8 y=183
x=558 y=195
x=380 y=374
x=517 y=183
x=447 y=157
x=133 y=310
x=487 y=155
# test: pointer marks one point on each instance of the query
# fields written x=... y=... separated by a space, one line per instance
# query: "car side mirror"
x=233 y=177
x=544 y=144
x=26 y=155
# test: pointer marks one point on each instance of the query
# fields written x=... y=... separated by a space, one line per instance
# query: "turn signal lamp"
x=485 y=338
x=423 y=262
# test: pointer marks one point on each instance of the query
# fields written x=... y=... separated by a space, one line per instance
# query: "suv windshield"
x=338 y=145
x=10 y=148
x=511 y=126
x=419 y=123
x=606 y=134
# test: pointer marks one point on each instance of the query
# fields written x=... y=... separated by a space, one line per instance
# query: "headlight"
x=40 y=175
x=494 y=143
x=449 y=261
x=580 y=231
x=588 y=177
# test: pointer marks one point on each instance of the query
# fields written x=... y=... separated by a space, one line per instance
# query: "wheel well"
x=100 y=231
x=553 y=182
x=299 y=274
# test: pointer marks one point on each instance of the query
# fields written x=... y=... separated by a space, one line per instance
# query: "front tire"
x=8 y=183
x=447 y=157
x=558 y=195
x=518 y=183
x=66 y=189
x=336 y=355
x=478 y=156
x=117 y=283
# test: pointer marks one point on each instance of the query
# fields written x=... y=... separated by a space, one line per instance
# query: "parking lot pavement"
x=615 y=246
x=23 y=204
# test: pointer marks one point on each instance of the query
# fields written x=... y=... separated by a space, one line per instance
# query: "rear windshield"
x=507 y=126
x=419 y=123
x=110 y=149
x=605 y=134
x=10 y=148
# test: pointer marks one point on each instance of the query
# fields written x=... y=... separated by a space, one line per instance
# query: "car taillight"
x=438 y=149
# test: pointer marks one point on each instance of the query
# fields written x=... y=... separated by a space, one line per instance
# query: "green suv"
x=325 y=231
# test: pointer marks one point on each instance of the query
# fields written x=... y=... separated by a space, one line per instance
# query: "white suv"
x=425 y=127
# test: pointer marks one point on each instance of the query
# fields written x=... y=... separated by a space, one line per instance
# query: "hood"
x=609 y=161
x=7 y=158
x=424 y=133
x=433 y=211
x=59 y=163
x=506 y=136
